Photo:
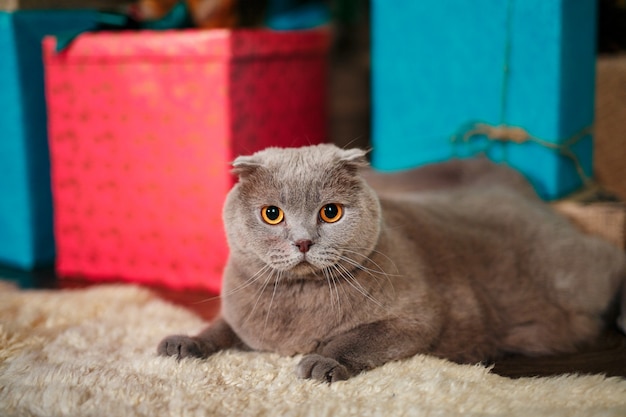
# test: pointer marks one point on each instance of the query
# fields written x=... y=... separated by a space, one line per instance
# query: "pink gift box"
x=142 y=128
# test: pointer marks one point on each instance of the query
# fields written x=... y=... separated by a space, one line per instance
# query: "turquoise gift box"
x=513 y=79
x=26 y=234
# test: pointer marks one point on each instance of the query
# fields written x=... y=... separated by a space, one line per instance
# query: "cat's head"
x=302 y=210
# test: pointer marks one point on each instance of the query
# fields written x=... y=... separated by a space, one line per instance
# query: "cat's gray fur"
x=460 y=260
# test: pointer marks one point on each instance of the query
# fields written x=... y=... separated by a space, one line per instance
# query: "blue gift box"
x=26 y=233
x=510 y=78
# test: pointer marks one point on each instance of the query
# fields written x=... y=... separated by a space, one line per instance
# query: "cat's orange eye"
x=272 y=215
x=331 y=213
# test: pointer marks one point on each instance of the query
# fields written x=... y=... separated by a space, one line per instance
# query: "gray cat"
x=460 y=260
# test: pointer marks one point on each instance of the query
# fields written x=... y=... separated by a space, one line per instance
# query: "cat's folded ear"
x=243 y=166
x=354 y=158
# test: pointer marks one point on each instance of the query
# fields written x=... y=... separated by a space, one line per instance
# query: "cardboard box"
x=610 y=132
x=26 y=237
x=143 y=126
x=441 y=68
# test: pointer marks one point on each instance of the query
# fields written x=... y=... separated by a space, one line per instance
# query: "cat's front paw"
x=322 y=369
x=183 y=347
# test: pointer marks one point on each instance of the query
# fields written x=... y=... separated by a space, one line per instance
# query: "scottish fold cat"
x=352 y=268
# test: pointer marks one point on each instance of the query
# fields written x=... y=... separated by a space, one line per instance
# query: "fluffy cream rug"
x=91 y=352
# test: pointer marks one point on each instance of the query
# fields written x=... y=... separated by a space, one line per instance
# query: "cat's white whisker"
x=279 y=276
x=373 y=251
x=371 y=272
x=350 y=279
x=397 y=271
x=336 y=276
x=247 y=282
x=330 y=280
x=363 y=268
x=260 y=293
x=358 y=266
x=235 y=290
x=335 y=270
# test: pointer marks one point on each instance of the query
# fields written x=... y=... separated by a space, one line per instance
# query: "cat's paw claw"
x=180 y=347
x=322 y=369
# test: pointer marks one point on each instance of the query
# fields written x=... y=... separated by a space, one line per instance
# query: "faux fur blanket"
x=91 y=352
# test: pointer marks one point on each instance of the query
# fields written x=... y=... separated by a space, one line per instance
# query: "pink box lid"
x=172 y=44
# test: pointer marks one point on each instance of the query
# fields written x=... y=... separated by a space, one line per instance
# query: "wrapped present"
x=26 y=231
x=513 y=79
x=143 y=126
x=48 y=5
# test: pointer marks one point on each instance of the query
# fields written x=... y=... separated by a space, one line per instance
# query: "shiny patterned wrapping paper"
x=143 y=126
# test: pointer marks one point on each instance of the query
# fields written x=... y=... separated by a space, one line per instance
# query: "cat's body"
x=460 y=260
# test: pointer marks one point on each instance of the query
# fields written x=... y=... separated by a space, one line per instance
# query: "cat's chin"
x=303 y=268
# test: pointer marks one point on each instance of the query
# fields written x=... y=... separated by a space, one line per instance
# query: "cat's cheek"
x=277 y=253
x=347 y=231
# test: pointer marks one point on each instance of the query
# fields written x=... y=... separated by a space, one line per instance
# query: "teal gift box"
x=513 y=79
x=26 y=234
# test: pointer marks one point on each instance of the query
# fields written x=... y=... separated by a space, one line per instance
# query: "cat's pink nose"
x=303 y=245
